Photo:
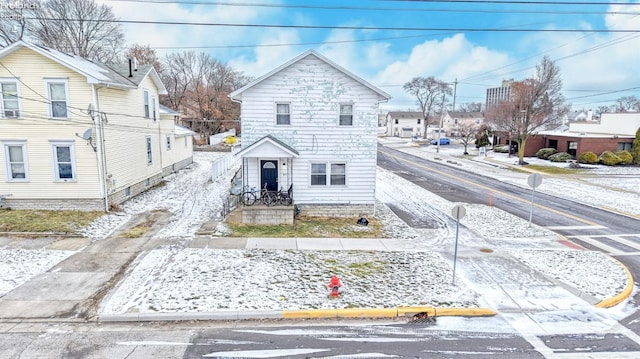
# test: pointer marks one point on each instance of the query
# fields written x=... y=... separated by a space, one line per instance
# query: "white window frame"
x=56 y=164
x=25 y=160
x=48 y=83
x=2 y=109
x=168 y=143
x=149 y=149
x=145 y=99
x=327 y=174
x=154 y=112
x=341 y=106
x=288 y=114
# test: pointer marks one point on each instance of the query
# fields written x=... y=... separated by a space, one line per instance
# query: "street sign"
x=458 y=211
x=534 y=180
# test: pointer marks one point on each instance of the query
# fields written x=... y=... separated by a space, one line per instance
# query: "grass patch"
x=554 y=170
x=137 y=231
x=45 y=221
x=311 y=227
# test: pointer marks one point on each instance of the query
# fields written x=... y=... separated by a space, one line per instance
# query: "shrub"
x=625 y=157
x=635 y=148
x=501 y=148
x=560 y=157
x=588 y=157
x=544 y=153
x=609 y=158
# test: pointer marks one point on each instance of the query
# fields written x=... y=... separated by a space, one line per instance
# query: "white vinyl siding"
x=283 y=114
x=64 y=166
x=58 y=96
x=15 y=158
x=9 y=99
x=149 y=150
x=346 y=114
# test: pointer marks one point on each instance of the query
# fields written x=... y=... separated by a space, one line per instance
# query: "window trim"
x=288 y=113
x=65 y=82
x=8 y=172
x=55 y=163
x=149 y=149
x=153 y=109
x=145 y=103
x=6 y=80
x=328 y=173
x=340 y=106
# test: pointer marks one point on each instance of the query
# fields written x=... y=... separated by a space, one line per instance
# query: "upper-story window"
x=15 y=158
x=283 y=116
x=346 y=114
x=9 y=100
x=146 y=103
x=64 y=166
x=58 y=98
x=153 y=108
x=418 y=121
x=149 y=150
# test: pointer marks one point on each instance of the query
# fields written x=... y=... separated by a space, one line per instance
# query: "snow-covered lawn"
x=17 y=266
x=179 y=278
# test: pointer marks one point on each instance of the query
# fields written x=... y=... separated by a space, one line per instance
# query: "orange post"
x=490 y=199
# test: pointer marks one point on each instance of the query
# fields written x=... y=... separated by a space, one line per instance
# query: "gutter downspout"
x=100 y=147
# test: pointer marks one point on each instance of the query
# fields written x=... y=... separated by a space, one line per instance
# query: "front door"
x=269 y=174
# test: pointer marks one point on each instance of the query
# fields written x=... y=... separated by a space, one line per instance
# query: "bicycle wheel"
x=248 y=198
x=268 y=198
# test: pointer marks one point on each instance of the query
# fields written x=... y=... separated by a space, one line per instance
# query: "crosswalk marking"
x=594 y=242
x=618 y=238
x=569 y=228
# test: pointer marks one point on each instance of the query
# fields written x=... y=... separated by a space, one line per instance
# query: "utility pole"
x=455 y=86
x=440 y=126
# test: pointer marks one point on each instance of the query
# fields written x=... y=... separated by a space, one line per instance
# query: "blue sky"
x=373 y=39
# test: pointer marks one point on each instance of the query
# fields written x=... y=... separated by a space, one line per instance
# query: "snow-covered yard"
x=179 y=278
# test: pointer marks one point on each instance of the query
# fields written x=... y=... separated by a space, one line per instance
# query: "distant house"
x=454 y=120
x=76 y=134
x=614 y=132
x=312 y=125
x=405 y=124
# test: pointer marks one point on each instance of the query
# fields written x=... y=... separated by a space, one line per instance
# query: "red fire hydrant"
x=335 y=285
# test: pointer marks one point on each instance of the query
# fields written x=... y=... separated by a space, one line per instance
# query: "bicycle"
x=248 y=196
x=267 y=197
x=285 y=197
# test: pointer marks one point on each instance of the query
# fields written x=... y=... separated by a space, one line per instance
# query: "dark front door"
x=269 y=174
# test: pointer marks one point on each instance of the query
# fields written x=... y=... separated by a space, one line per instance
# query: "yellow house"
x=76 y=134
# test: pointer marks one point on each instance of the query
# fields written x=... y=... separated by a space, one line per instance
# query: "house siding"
x=314 y=91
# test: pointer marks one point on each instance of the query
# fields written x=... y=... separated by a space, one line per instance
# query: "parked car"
x=443 y=141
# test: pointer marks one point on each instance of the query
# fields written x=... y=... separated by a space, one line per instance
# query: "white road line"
x=267 y=353
x=567 y=228
x=594 y=242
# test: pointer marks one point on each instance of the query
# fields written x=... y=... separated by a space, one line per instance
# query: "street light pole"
x=440 y=126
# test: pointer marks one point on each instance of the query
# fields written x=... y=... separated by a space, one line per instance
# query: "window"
x=146 y=103
x=395 y=121
x=338 y=174
x=63 y=161
x=9 y=103
x=346 y=115
x=624 y=146
x=57 y=90
x=15 y=154
x=318 y=174
x=168 y=143
x=153 y=108
x=283 y=116
x=149 y=151
x=418 y=121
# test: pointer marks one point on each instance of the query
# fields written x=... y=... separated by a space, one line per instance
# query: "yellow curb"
x=314 y=313
x=368 y=313
x=626 y=292
x=464 y=312
x=386 y=312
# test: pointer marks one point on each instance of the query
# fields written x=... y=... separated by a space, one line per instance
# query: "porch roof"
x=268 y=146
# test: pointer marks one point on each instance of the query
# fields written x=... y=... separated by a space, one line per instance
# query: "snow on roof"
x=182 y=131
x=164 y=110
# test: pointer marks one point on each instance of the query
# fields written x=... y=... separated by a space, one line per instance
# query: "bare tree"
x=429 y=94
x=627 y=103
x=15 y=22
x=80 y=27
x=534 y=102
x=468 y=130
x=198 y=87
x=603 y=109
x=144 y=55
x=470 y=107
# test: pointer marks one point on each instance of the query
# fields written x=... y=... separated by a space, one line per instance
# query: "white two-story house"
x=312 y=125
x=75 y=134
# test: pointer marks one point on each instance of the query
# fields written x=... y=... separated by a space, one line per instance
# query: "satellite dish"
x=87 y=135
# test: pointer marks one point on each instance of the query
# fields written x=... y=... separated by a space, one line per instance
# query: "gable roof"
x=236 y=95
x=405 y=114
x=95 y=72
x=464 y=114
x=286 y=150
